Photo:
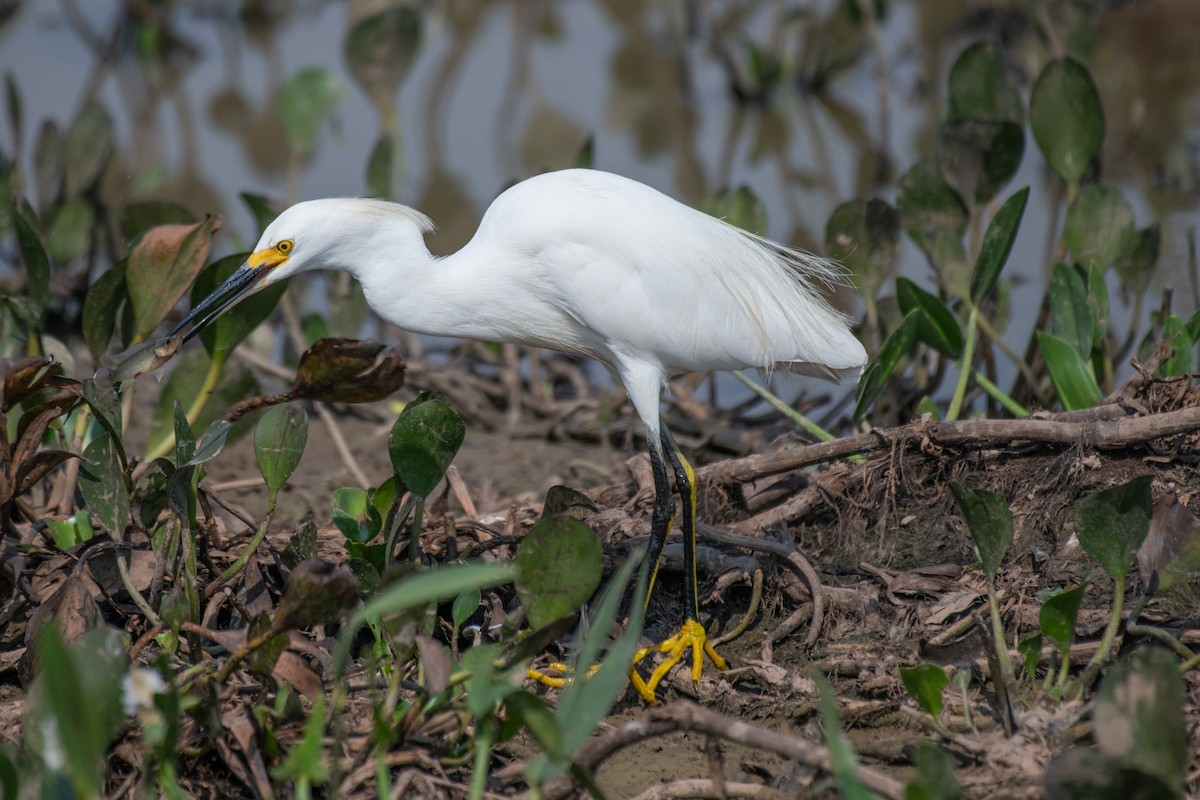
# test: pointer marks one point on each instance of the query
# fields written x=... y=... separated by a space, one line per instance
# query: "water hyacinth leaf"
x=559 y=565
x=895 y=347
x=1170 y=553
x=935 y=218
x=33 y=253
x=86 y=150
x=380 y=48
x=304 y=103
x=864 y=235
x=185 y=437
x=102 y=484
x=184 y=383
x=1070 y=314
x=925 y=684
x=262 y=208
x=990 y=522
x=978 y=157
x=1030 y=649
x=103 y=303
x=1138 y=716
x=1084 y=773
x=211 y=442
x=740 y=207
x=353 y=515
x=105 y=403
x=1066 y=117
x=227 y=331
x=279 y=439
x=70 y=233
x=936 y=325
x=1070 y=374
x=935 y=778
x=424 y=440
x=997 y=244
x=981 y=88
x=464 y=606
x=1058 y=614
x=1099 y=227
x=162 y=265
x=142 y=216
x=348 y=371
x=1112 y=524
x=1176 y=337
x=379 y=169
x=1136 y=268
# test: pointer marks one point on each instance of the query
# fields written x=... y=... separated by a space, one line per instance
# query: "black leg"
x=660 y=522
x=685 y=482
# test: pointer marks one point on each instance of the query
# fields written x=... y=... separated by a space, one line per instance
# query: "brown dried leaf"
x=348 y=371
x=294 y=670
x=36 y=467
x=316 y=591
x=71 y=607
x=1170 y=552
x=26 y=377
x=435 y=660
x=246 y=760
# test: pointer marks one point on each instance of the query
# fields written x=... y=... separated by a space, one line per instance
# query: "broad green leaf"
x=1030 y=649
x=262 y=208
x=102 y=484
x=488 y=686
x=1098 y=305
x=990 y=522
x=997 y=244
x=1084 y=773
x=184 y=383
x=279 y=439
x=101 y=306
x=925 y=684
x=1099 y=227
x=33 y=253
x=380 y=48
x=465 y=606
x=1058 y=615
x=1136 y=268
x=211 y=442
x=533 y=714
x=141 y=217
x=864 y=235
x=1175 y=334
x=70 y=233
x=227 y=331
x=935 y=778
x=981 y=88
x=936 y=325
x=1138 y=716
x=379 y=168
x=185 y=436
x=1070 y=315
x=86 y=150
x=896 y=346
x=559 y=565
x=1112 y=523
x=162 y=265
x=304 y=103
x=353 y=515
x=979 y=157
x=740 y=207
x=935 y=219
x=105 y=403
x=424 y=440
x=1073 y=380
x=1067 y=118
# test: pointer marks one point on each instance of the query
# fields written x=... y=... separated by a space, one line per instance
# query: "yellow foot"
x=557 y=674
x=691 y=635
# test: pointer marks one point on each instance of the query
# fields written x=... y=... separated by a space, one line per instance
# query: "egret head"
x=334 y=233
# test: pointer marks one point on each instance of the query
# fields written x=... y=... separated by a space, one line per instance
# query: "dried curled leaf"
x=348 y=371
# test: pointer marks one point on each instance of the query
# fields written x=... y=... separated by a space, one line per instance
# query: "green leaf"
x=925 y=684
x=262 y=208
x=185 y=437
x=897 y=345
x=184 y=383
x=740 y=207
x=1136 y=268
x=379 y=168
x=101 y=305
x=102 y=484
x=1058 y=615
x=1176 y=335
x=980 y=87
x=141 y=217
x=1111 y=524
x=380 y=48
x=227 y=331
x=304 y=103
x=424 y=440
x=1099 y=227
x=978 y=157
x=279 y=439
x=1138 y=717
x=935 y=778
x=538 y=720
x=87 y=148
x=990 y=522
x=70 y=234
x=559 y=565
x=1098 y=306
x=844 y=761
x=352 y=514
x=162 y=266
x=1070 y=315
x=464 y=606
x=211 y=442
x=936 y=325
x=935 y=219
x=864 y=235
x=1073 y=381
x=1030 y=649
x=997 y=244
x=33 y=253
x=1066 y=117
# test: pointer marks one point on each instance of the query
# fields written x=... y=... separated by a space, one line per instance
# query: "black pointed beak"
x=242 y=283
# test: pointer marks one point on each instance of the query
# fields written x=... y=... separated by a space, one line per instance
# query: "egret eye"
x=285 y=246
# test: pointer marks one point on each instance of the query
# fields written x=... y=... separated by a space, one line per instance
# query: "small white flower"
x=138 y=689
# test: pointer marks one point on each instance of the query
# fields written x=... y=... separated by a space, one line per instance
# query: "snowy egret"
x=591 y=264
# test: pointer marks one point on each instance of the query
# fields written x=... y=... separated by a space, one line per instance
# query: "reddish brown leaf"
x=26 y=377
x=163 y=264
x=294 y=670
x=34 y=468
x=348 y=371
x=435 y=661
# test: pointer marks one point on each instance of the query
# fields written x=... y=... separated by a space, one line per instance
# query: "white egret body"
x=591 y=264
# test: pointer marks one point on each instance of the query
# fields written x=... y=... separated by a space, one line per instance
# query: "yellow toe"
x=691 y=636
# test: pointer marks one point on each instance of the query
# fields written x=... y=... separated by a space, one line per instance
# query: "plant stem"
x=998 y=634
x=1013 y=407
x=782 y=407
x=244 y=558
x=965 y=370
x=1114 y=623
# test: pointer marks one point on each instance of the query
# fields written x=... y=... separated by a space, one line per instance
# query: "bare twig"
x=339 y=443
